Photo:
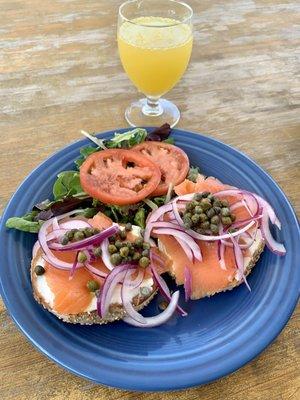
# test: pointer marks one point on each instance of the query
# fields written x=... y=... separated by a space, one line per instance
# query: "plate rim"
x=201 y=136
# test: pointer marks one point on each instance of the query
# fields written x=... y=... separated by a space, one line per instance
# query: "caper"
x=205 y=204
x=187 y=215
x=92 y=286
x=189 y=207
x=131 y=250
x=70 y=234
x=64 y=240
x=225 y=212
x=79 y=235
x=195 y=218
x=39 y=270
x=203 y=217
x=225 y=203
x=194 y=203
x=123 y=234
x=128 y=227
x=211 y=197
x=205 y=194
x=205 y=225
x=88 y=232
x=124 y=251
x=145 y=253
x=81 y=257
x=217 y=209
x=215 y=219
x=146 y=246
x=144 y=262
x=197 y=196
x=136 y=256
x=214 y=228
x=139 y=242
x=210 y=213
x=112 y=249
x=217 y=203
x=118 y=244
x=187 y=222
x=112 y=239
x=226 y=220
x=115 y=258
x=232 y=230
x=233 y=217
x=96 y=231
x=198 y=210
x=97 y=252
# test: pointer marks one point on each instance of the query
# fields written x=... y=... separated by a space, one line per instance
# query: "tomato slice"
x=172 y=161
x=119 y=176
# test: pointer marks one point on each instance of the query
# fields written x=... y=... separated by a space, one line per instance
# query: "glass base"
x=139 y=113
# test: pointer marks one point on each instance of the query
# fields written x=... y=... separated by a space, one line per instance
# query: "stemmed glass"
x=155 y=41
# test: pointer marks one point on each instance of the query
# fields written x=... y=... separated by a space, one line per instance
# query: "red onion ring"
x=162 y=286
x=187 y=283
x=90 y=241
x=112 y=279
x=182 y=236
x=126 y=300
x=159 y=319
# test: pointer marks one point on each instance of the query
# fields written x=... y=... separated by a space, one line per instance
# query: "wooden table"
x=60 y=72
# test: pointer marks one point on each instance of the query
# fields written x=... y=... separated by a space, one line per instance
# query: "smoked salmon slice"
x=208 y=277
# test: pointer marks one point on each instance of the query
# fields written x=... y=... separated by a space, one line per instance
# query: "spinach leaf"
x=170 y=140
x=140 y=218
x=85 y=152
x=127 y=140
x=159 y=201
x=67 y=184
x=193 y=174
x=24 y=224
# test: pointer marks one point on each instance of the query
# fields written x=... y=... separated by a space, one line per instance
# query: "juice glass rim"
x=156 y=26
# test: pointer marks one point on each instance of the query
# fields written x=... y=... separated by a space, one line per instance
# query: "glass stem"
x=152 y=107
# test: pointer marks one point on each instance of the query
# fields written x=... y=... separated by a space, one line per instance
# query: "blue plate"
x=219 y=335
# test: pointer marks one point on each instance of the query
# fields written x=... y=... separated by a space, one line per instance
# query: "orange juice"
x=154 y=52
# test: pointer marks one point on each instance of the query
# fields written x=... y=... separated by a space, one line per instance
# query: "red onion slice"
x=55 y=224
x=90 y=241
x=187 y=283
x=48 y=255
x=221 y=254
x=75 y=265
x=269 y=210
x=106 y=255
x=137 y=281
x=75 y=224
x=126 y=300
x=163 y=287
x=159 y=319
x=183 y=236
x=117 y=275
x=271 y=243
x=239 y=261
x=56 y=234
x=155 y=215
x=186 y=249
x=95 y=271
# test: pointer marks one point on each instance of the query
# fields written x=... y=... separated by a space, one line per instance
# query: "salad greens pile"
x=68 y=194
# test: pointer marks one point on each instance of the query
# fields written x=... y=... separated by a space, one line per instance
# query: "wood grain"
x=60 y=72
